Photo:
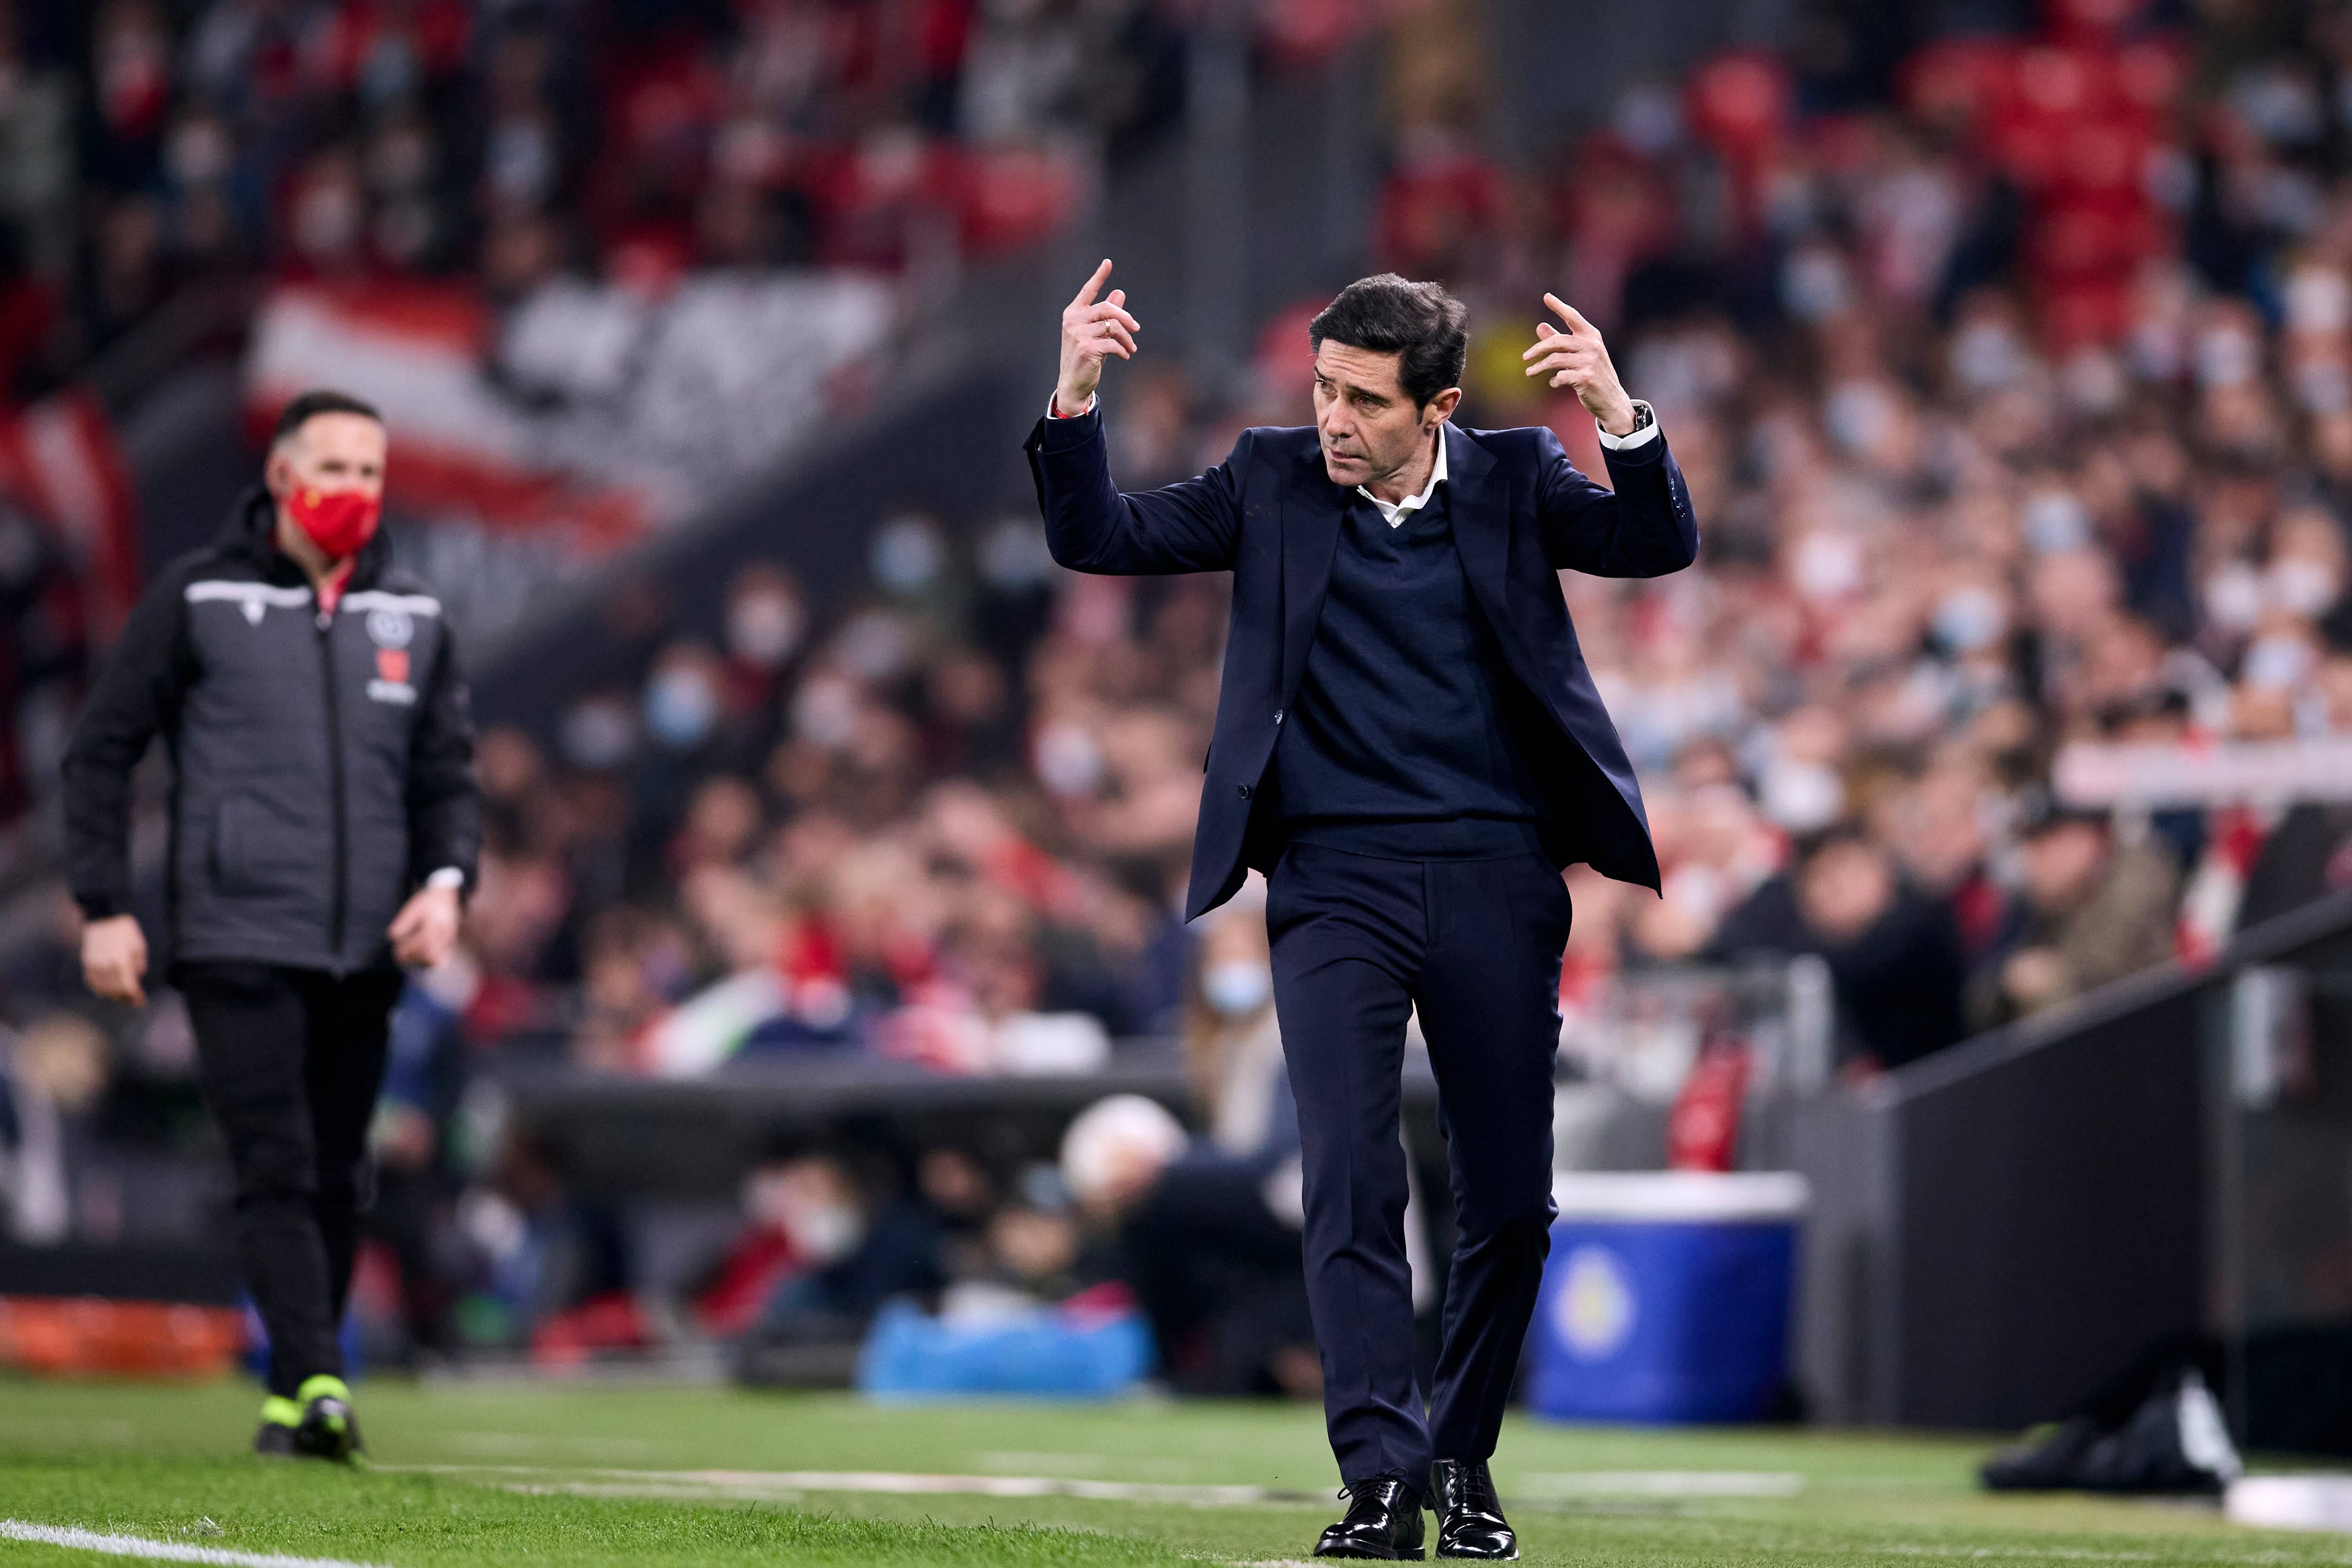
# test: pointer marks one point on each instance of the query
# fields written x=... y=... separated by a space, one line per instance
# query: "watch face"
x=1643 y=417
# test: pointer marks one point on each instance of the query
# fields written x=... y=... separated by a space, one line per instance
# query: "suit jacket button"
x=1277 y=715
x=1242 y=790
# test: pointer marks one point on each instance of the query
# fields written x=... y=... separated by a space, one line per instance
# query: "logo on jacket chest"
x=390 y=630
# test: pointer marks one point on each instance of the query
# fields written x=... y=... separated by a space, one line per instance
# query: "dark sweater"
x=1400 y=739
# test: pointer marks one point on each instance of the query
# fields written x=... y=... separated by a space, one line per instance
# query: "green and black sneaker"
x=328 y=1428
x=279 y=1418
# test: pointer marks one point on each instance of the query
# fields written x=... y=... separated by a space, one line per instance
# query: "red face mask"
x=338 y=522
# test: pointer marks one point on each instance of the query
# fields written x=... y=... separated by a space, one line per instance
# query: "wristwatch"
x=1645 y=430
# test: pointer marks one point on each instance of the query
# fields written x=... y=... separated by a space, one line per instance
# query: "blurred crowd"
x=2016 y=402
x=150 y=144
x=2017 y=412
x=1997 y=448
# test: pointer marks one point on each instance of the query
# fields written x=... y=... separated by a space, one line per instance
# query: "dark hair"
x=306 y=407
x=1426 y=327
x=1842 y=834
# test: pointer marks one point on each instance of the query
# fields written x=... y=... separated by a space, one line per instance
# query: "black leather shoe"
x=1383 y=1521
x=1470 y=1520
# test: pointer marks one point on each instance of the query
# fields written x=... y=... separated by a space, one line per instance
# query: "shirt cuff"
x=448 y=876
x=1052 y=413
x=1641 y=437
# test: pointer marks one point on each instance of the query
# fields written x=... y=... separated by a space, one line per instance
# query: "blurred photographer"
x=324 y=826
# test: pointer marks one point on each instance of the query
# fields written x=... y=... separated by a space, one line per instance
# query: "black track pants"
x=292 y=1060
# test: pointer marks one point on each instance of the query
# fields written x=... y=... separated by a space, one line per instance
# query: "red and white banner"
x=418 y=352
x=587 y=415
x=60 y=462
x=2155 y=776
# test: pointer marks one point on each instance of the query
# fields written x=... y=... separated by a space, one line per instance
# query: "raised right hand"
x=1092 y=330
x=114 y=959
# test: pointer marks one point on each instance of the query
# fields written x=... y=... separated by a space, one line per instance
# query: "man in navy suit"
x=1408 y=744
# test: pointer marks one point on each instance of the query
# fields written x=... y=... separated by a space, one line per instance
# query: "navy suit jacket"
x=1270 y=514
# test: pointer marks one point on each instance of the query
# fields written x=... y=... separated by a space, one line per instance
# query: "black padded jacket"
x=322 y=765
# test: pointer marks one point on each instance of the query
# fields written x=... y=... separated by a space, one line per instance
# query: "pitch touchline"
x=885 y=1481
x=165 y=1550
x=1547 y=1490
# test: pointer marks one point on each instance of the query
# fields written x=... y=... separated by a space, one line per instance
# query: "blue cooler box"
x=1667 y=1296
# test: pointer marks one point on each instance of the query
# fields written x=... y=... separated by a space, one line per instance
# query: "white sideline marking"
x=891 y=1482
x=166 y=1551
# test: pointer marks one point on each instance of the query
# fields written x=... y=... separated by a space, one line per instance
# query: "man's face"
x=331 y=453
x=1843 y=889
x=1368 y=422
x=2062 y=863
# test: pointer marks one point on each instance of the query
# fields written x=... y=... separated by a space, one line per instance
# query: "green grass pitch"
x=676 y=1477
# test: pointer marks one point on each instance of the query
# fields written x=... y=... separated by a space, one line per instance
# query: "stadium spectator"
x=2095 y=907
x=1893 y=954
x=1212 y=1244
x=856 y=1242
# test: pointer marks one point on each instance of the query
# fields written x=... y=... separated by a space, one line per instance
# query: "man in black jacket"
x=324 y=826
x=1409 y=744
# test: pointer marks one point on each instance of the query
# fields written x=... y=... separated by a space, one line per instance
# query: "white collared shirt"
x=1396 y=512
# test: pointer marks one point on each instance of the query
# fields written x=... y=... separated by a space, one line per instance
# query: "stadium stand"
x=2015 y=391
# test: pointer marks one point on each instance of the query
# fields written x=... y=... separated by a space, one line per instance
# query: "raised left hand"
x=1579 y=359
x=425 y=929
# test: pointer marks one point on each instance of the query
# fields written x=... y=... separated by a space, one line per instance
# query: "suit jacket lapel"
x=1311 y=511
x=1479 y=511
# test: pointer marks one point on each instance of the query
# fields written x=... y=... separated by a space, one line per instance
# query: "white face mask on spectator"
x=1014 y=556
x=1970 y=618
x=2301 y=585
x=1800 y=795
x=822 y=1225
x=2055 y=523
x=2233 y=596
x=2276 y=663
x=906 y=555
x=1826 y=564
x=597 y=733
x=1986 y=356
x=1236 y=987
x=1067 y=760
x=823 y=1232
x=681 y=708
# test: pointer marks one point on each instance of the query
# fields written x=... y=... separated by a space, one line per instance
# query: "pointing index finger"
x=1576 y=323
x=1093 y=284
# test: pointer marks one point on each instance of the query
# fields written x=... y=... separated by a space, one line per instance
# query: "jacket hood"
x=252 y=531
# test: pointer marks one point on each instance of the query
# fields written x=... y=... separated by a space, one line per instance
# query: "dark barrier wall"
x=2000 y=1228
x=2049 y=1218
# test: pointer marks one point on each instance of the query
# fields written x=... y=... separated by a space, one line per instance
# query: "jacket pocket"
x=253 y=849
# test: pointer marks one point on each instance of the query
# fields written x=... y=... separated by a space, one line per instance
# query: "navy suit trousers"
x=1359 y=943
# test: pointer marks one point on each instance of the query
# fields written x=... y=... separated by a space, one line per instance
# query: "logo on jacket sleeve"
x=391 y=682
